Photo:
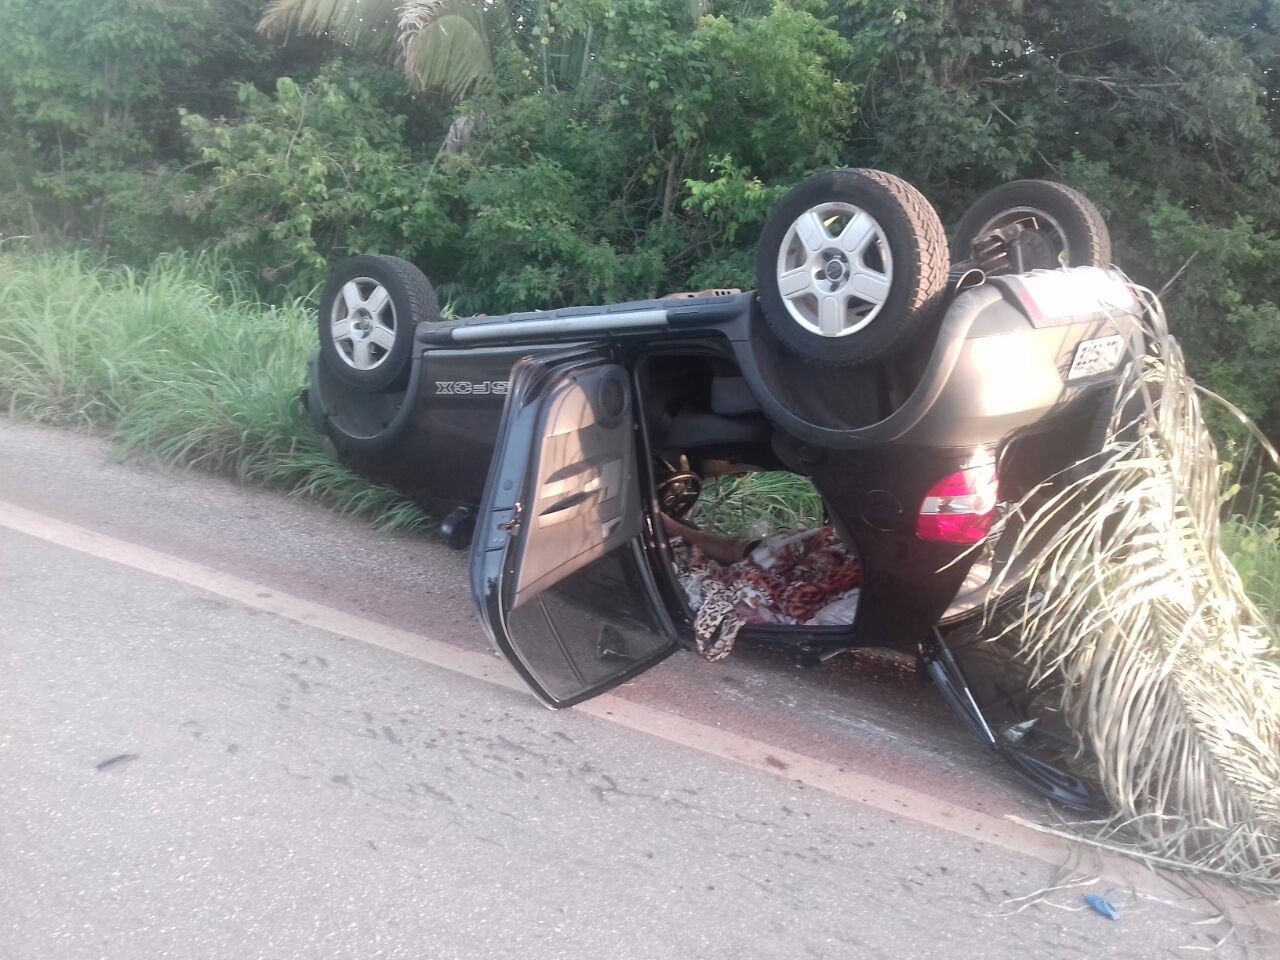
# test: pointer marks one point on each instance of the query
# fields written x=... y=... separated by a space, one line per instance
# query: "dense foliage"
x=616 y=148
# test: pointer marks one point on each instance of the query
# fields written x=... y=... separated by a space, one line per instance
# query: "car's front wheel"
x=851 y=265
x=368 y=314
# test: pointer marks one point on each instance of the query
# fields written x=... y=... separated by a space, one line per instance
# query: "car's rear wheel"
x=1060 y=227
x=851 y=265
x=368 y=314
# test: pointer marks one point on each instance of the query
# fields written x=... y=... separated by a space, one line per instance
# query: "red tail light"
x=960 y=507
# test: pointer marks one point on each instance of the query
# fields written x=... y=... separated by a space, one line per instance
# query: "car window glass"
x=595 y=624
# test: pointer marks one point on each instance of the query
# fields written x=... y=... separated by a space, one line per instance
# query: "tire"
x=368 y=314
x=1070 y=231
x=843 y=306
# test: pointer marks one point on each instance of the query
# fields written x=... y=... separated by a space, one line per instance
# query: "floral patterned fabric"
x=806 y=577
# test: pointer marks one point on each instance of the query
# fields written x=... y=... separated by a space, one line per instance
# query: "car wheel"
x=851 y=266
x=1062 y=228
x=368 y=313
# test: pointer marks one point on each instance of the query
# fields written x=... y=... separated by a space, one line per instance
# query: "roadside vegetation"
x=755 y=504
x=1254 y=549
x=1144 y=636
x=540 y=153
x=182 y=364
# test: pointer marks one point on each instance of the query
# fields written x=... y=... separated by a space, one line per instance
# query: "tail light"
x=960 y=507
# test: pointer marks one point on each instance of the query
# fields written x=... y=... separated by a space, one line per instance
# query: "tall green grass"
x=756 y=504
x=182 y=364
x=1254 y=549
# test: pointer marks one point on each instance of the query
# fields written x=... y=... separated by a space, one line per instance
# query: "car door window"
x=589 y=629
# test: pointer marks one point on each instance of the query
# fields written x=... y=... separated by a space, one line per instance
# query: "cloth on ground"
x=806 y=577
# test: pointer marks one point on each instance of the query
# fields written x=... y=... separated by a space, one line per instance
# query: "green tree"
x=968 y=93
x=1163 y=111
x=310 y=173
x=81 y=88
x=456 y=47
x=668 y=141
x=581 y=190
x=89 y=91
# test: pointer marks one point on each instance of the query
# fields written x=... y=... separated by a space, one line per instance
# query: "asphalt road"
x=317 y=759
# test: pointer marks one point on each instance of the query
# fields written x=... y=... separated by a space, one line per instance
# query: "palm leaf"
x=1166 y=671
x=444 y=45
x=371 y=24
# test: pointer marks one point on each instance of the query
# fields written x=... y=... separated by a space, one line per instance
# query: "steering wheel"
x=678 y=493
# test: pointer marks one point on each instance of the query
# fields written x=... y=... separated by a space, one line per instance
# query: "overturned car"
x=918 y=395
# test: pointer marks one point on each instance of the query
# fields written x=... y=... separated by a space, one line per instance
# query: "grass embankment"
x=181 y=364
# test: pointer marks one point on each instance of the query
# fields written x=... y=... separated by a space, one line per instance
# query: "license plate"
x=1096 y=356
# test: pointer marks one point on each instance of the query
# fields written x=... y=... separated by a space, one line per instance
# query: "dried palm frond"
x=1166 y=671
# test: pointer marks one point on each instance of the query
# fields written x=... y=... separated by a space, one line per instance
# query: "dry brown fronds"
x=1166 y=669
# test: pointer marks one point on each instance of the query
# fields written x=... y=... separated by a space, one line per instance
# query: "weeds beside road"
x=182 y=365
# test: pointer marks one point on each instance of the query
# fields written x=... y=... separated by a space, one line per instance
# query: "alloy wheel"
x=834 y=269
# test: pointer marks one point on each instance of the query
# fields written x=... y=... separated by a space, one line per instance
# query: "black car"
x=918 y=396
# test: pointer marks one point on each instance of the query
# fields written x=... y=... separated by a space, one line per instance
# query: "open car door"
x=558 y=570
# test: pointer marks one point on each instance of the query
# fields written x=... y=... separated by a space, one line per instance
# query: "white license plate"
x=1096 y=356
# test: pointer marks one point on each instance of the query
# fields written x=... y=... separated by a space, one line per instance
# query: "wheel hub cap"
x=362 y=324
x=834 y=269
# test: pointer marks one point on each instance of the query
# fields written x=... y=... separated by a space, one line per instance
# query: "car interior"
x=702 y=423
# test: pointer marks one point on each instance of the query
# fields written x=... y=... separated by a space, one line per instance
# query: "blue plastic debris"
x=1104 y=907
